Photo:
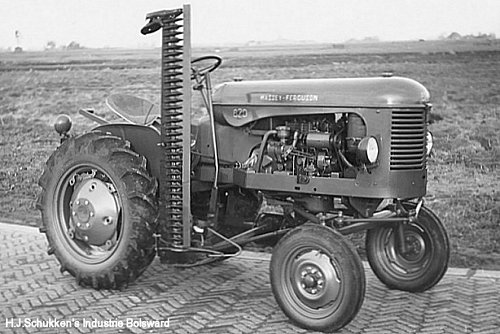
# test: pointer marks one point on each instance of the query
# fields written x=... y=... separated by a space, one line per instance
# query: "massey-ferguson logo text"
x=288 y=97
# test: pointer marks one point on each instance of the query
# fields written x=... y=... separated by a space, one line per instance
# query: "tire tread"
x=140 y=196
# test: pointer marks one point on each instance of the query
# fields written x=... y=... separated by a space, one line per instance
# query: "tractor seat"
x=133 y=109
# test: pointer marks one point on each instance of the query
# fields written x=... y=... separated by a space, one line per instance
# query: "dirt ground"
x=464 y=176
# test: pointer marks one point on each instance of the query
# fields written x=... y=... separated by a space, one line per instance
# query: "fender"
x=143 y=139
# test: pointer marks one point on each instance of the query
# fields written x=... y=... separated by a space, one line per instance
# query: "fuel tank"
x=239 y=103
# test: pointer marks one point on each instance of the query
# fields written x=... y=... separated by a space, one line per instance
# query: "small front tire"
x=317 y=278
x=426 y=259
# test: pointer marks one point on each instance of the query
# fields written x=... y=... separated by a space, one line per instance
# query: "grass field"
x=463 y=78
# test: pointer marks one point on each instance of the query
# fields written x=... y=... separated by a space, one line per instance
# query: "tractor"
x=294 y=164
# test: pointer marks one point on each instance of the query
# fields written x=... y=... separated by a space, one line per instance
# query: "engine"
x=310 y=146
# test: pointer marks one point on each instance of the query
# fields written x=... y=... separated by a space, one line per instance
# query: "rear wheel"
x=317 y=278
x=99 y=210
x=426 y=258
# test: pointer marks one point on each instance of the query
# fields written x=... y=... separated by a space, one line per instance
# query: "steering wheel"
x=213 y=60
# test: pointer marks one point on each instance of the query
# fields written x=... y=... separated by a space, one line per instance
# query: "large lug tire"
x=426 y=259
x=99 y=210
x=317 y=278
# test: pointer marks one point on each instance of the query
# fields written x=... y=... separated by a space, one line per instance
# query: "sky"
x=106 y=23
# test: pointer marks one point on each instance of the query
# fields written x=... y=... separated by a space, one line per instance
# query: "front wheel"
x=426 y=258
x=99 y=210
x=317 y=278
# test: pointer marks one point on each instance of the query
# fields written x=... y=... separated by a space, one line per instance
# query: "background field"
x=463 y=78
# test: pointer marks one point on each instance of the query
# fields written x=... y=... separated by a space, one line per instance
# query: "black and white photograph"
x=250 y=166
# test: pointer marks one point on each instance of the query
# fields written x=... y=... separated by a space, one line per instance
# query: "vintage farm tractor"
x=297 y=164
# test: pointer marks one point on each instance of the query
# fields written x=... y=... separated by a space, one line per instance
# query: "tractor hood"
x=238 y=103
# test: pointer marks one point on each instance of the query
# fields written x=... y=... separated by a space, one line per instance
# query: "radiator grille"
x=408 y=139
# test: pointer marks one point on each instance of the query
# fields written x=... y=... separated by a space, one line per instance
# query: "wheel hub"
x=312 y=280
x=316 y=280
x=309 y=282
x=83 y=210
x=94 y=212
x=415 y=246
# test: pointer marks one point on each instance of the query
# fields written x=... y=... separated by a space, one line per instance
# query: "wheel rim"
x=415 y=260
x=87 y=211
x=312 y=282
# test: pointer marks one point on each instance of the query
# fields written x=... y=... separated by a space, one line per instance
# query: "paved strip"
x=233 y=296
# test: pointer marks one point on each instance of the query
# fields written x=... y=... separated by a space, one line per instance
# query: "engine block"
x=311 y=146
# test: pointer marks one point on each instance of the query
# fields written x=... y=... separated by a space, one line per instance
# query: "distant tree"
x=454 y=36
x=50 y=45
x=74 y=46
